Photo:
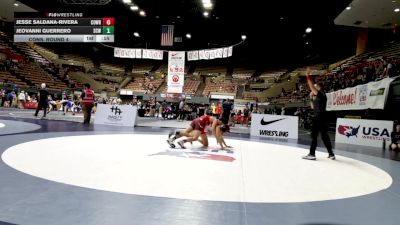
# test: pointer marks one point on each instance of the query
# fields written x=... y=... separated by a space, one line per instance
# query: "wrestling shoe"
x=172 y=135
x=332 y=157
x=310 y=157
x=171 y=143
x=182 y=144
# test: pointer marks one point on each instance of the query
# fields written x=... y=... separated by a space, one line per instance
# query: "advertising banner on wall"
x=367 y=96
x=273 y=126
x=176 y=71
x=116 y=115
x=363 y=132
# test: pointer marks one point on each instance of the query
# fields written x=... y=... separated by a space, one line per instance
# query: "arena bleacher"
x=8 y=78
x=144 y=85
x=220 y=87
x=190 y=87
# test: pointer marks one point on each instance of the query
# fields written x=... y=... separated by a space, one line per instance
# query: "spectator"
x=395 y=145
x=11 y=96
x=181 y=110
x=194 y=112
x=246 y=113
x=163 y=109
x=218 y=110
x=21 y=99
x=388 y=72
x=158 y=111
x=3 y=97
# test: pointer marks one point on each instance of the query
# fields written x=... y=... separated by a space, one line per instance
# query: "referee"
x=226 y=111
x=320 y=123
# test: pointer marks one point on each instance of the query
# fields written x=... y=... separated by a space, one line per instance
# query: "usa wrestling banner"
x=176 y=72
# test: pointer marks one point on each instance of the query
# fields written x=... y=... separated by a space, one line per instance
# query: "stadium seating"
x=190 y=87
x=87 y=62
x=144 y=85
x=249 y=96
x=364 y=68
x=7 y=77
x=211 y=70
x=141 y=68
x=35 y=74
x=242 y=73
x=30 y=53
x=270 y=76
x=112 y=67
x=221 y=87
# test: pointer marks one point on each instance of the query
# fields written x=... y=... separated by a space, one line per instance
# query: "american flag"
x=167 y=35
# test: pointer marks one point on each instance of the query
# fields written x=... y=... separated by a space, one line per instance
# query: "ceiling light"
x=142 y=13
x=136 y=34
x=207 y=5
x=205 y=14
x=206 y=1
x=126 y=1
x=134 y=8
x=16 y=4
x=308 y=30
x=397 y=10
x=348 y=7
x=244 y=37
x=306 y=43
x=188 y=36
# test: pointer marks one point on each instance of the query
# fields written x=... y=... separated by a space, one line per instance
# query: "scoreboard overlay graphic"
x=62 y=27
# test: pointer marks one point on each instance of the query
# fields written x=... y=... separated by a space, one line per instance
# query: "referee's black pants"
x=225 y=118
x=42 y=105
x=320 y=124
